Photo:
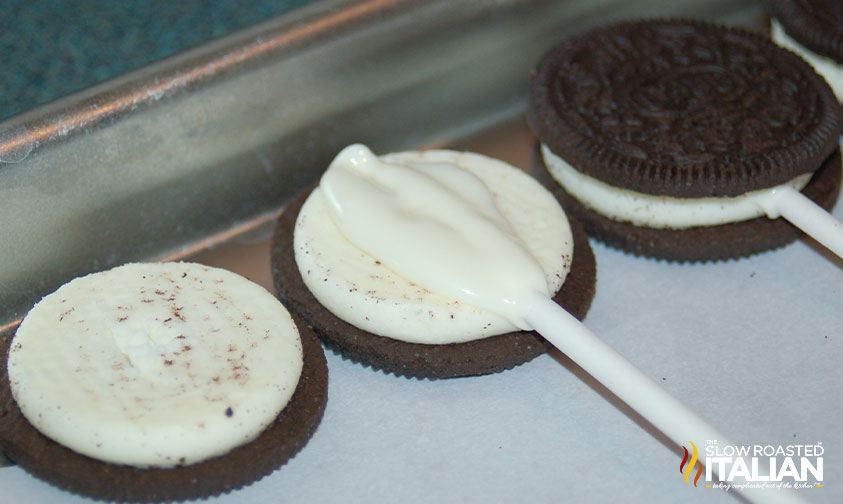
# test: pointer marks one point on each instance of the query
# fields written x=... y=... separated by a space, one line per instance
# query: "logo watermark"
x=754 y=466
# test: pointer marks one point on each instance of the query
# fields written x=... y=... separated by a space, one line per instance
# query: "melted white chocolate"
x=155 y=364
x=440 y=204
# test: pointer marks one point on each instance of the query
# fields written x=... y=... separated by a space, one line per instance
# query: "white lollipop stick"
x=632 y=386
x=807 y=216
x=373 y=203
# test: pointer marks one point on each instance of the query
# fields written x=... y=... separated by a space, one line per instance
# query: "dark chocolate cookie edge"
x=76 y=473
x=803 y=27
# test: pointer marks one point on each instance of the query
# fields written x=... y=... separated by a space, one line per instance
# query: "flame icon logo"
x=687 y=470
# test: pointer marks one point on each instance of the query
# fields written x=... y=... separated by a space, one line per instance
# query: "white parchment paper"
x=754 y=345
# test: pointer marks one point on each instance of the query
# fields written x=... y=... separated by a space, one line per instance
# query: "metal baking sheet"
x=182 y=153
x=200 y=170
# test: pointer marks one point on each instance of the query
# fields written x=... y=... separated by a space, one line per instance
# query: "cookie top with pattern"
x=816 y=24
x=683 y=108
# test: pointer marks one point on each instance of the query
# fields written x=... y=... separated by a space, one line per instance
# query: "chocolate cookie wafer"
x=412 y=359
x=647 y=122
x=814 y=30
x=79 y=474
x=278 y=442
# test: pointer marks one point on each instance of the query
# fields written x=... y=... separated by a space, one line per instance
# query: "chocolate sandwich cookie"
x=60 y=466
x=43 y=450
x=648 y=122
x=698 y=243
x=816 y=24
x=482 y=356
x=814 y=30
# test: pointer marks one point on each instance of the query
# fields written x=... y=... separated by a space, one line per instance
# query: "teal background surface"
x=51 y=48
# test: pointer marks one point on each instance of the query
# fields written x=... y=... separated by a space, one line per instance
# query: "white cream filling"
x=359 y=289
x=155 y=365
x=830 y=69
x=662 y=212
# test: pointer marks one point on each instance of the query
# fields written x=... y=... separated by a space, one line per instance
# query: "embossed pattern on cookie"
x=682 y=108
x=816 y=24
